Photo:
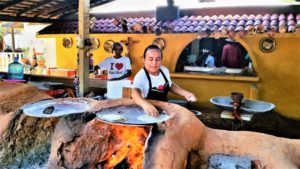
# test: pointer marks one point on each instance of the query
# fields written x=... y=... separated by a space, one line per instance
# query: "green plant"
x=40 y=57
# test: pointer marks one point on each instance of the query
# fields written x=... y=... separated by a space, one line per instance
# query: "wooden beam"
x=39 y=4
x=83 y=24
x=53 y=8
x=9 y=4
x=60 y=8
x=63 y=11
x=27 y=19
x=94 y=3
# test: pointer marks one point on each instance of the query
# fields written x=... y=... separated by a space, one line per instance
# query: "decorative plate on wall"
x=96 y=43
x=108 y=45
x=267 y=44
x=67 y=42
x=160 y=42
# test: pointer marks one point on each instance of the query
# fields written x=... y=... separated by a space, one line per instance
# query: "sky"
x=149 y=5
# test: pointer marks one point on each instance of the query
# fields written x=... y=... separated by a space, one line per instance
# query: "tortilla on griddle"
x=113 y=117
x=150 y=119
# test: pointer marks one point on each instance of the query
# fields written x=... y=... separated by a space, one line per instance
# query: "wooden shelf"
x=68 y=81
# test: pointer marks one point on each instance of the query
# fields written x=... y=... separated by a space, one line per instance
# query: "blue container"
x=15 y=70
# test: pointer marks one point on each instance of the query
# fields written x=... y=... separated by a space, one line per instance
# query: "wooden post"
x=83 y=27
x=13 y=38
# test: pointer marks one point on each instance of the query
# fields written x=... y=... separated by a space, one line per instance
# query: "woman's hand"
x=150 y=109
x=186 y=94
x=190 y=97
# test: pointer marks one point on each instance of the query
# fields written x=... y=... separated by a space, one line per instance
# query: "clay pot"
x=41 y=62
x=237 y=97
x=33 y=63
x=25 y=61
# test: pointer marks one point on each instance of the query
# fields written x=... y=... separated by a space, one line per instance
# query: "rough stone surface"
x=170 y=143
x=25 y=141
x=220 y=161
x=77 y=143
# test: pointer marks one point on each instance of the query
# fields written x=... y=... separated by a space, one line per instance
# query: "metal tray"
x=248 y=106
x=130 y=115
x=60 y=107
x=47 y=85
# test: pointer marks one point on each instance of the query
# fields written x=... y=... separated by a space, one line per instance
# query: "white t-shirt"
x=141 y=82
x=210 y=61
x=116 y=67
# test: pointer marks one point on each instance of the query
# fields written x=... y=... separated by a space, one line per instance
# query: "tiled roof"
x=202 y=24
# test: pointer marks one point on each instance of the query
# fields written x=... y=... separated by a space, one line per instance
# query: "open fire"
x=127 y=144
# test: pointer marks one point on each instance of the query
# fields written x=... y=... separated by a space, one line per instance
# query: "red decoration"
x=119 y=66
x=161 y=87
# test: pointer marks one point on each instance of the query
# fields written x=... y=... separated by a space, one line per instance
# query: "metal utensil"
x=48 y=110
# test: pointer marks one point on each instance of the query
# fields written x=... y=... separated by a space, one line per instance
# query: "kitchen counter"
x=222 y=77
x=68 y=81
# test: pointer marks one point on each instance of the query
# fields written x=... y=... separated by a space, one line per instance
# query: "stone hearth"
x=82 y=141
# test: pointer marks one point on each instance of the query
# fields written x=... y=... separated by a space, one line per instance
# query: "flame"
x=128 y=142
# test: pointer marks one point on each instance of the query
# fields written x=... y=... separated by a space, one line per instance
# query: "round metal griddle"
x=47 y=85
x=130 y=115
x=248 y=106
x=55 y=107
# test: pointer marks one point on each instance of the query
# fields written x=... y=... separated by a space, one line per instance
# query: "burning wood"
x=130 y=146
x=106 y=145
x=77 y=144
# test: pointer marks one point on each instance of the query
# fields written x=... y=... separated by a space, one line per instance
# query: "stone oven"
x=82 y=141
x=183 y=141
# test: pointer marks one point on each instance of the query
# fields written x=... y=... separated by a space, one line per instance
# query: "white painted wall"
x=27 y=39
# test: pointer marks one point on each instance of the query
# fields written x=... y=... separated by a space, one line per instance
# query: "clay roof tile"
x=244 y=17
x=274 y=17
x=267 y=17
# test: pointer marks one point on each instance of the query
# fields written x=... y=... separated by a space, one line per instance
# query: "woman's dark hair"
x=152 y=47
x=117 y=44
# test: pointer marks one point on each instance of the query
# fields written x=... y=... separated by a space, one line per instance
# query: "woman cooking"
x=154 y=82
